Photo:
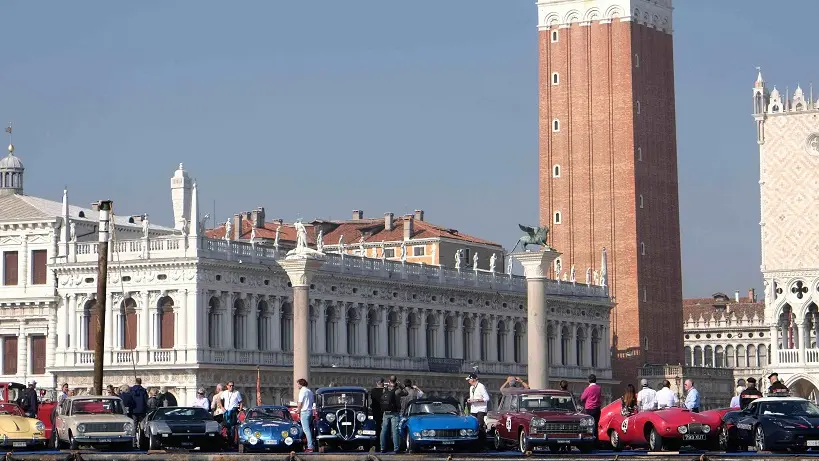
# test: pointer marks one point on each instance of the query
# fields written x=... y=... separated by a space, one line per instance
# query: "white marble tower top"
x=653 y=13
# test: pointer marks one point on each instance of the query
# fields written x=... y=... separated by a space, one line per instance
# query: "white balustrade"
x=787 y=356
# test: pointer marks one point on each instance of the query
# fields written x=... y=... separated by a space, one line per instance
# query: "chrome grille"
x=558 y=428
x=447 y=433
x=695 y=428
x=346 y=432
x=103 y=427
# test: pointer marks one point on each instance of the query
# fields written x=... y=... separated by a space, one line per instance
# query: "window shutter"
x=10 y=354
x=10 y=269
x=39 y=262
x=38 y=355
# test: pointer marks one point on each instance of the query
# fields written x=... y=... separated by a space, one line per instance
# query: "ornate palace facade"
x=185 y=310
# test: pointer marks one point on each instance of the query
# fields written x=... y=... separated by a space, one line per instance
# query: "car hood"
x=442 y=422
x=17 y=424
x=101 y=418
x=679 y=417
x=268 y=426
x=801 y=422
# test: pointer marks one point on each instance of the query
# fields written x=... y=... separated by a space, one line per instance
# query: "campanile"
x=608 y=164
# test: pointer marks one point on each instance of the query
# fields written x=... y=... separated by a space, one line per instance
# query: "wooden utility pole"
x=104 y=209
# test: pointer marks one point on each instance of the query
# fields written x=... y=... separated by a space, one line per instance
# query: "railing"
x=787 y=356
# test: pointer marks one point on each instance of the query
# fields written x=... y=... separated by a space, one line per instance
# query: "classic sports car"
x=11 y=392
x=776 y=423
x=666 y=429
x=269 y=427
x=437 y=424
x=17 y=431
x=186 y=427
x=93 y=420
x=725 y=418
x=534 y=419
x=343 y=418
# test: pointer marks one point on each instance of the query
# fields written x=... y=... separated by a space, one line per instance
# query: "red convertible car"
x=666 y=429
x=536 y=419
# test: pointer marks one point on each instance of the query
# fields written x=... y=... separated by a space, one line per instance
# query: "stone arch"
x=595 y=347
x=127 y=324
x=503 y=330
x=592 y=14
x=801 y=385
x=165 y=322
x=613 y=12
x=468 y=324
x=571 y=16
x=239 y=324
x=450 y=327
x=551 y=19
x=432 y=325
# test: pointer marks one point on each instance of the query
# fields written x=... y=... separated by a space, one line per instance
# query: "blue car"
x=268 y=428
x=437 y=424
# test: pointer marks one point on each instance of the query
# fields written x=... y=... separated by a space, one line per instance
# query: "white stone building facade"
x=788 y=136
x=184 y=310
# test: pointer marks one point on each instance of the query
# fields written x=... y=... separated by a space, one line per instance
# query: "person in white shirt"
x=305 y=410
x=647 y=397
x=478 y=402
x=666 y=398
x=231 y=399
x=201 y=400
x=63 y=394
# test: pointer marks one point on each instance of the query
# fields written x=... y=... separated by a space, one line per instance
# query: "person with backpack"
x=390 y=404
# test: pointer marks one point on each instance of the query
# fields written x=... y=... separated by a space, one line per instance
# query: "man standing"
x=390 y=406
x=305 y=410
x=375 y=409
x=63 y=394
x=666 y=398
x=592 y=399
x=777 y=387
x=692 y=396
x=30 y=401
x=413 y=392
x=514 y=381
x=140 y=396
x=478 y=402
x=201 y=401
x=647 y=397
x=232 y=399
x=750 y=393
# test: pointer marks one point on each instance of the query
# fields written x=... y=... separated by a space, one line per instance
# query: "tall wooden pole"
x=104 y=208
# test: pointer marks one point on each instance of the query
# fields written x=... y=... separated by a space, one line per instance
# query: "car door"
x=59 y=420
x=746 y=421
x=498 y=415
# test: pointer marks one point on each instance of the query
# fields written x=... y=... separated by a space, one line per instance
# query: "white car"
x=93 y=420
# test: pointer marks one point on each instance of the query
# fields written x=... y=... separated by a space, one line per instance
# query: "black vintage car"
x=343 y=418
x=184 y=427
x=775 y=424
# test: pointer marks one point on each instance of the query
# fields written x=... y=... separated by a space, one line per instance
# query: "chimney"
x=237 y=227
x=409 y=227
x=388 y=221
x=257 y=217
x=736 y=296
x=419 y=215
x=752 y=295
x=358 y=215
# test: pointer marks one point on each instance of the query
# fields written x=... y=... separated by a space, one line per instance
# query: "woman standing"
x=305 y=410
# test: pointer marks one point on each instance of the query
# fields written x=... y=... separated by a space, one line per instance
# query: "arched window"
x=719 y=357
x=639 y=107
x=641 y=200
x=352 y=332
x=565 y=337
x=555 y=125
x=330 y=329
x=432 y=329
x=518 y=343
x=555 y=78
x=730 y=359
x=128 y=324
x=468 y=326
x=580 y=347
x=595 y=347
x=412 y=335
x=485 y=340
x=642 y=248
x=213 y=322
x=501 y=341
x=165 y=323
x=687 y=352
x=239 y=324
x=392 y=334
x=763 y=355
x=556 y=171
x=742 y=359
x=752 y=358
x=697 y=356
x=550 y=343
x=558 y=217
x=286 y=328
x=263 y=337
x=639 y=154
x=449 y=337
x=709 y=356
x=554 y=36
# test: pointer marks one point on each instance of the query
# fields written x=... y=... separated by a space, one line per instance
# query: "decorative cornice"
x=655 y=14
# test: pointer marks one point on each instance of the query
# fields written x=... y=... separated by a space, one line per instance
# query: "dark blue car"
x=343 y=418
x=774 y=424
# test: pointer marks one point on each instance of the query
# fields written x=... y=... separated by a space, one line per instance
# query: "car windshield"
x=10 y=409
x=274 y=413
x=184 y=413
x=543 y=402
x=341 y=399
x=432 y=408
x=97 y=406
x=789 y=407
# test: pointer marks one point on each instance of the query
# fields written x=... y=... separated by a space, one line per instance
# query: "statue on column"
x=145 y=226
x=228 y=229
x=383 y=251
x=185 y=226
x=341 y=244
x=361 y=250
x=596 y=277
x=509 y=266
x=320 y=240
x=301 y=235
x=72 y=231
x=457 y=259
x=588 y=276
x=572 y=275
x=253 y=236
x=475 y=262
x=492 y=260
x=404 y=251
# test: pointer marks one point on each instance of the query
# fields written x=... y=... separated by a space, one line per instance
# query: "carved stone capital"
x=301 y=270
x=536 y=263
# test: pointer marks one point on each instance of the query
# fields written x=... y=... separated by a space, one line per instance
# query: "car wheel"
x=153 y=442
x=616 y=444
x=410 y=445
x=498 y=441
x=55 y=439
x=241 y=448
x=655 y=442
x=72 y=444
x=759 y=439
x=523 y=443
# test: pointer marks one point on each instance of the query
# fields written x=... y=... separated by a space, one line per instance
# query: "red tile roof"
x=705 y=307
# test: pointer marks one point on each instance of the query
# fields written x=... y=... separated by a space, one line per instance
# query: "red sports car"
x=667 y=429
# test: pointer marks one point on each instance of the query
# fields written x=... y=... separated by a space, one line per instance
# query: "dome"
x=11 y=162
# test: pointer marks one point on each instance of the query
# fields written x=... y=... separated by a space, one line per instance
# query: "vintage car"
x=11 y=392
x=343 y=419
x=536 y=419
x=18 y=431
x=773 y=424
x=725 y=419
x=93 y=420
x=183 y=427
x=437 y=424
x=267 y=428
x=666 y=429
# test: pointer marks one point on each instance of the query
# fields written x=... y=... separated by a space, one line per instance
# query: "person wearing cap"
x=750 y=393
x=29 y=401
x=692 y=396
x=478 y=401
x=666 y=398
x=201 y=401
x=647 y=397
x=776 y=387
x=592 y=400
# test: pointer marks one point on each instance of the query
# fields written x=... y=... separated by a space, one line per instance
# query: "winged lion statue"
x=534 y=236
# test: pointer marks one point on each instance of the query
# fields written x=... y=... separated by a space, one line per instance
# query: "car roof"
x=521 y=390
x=93 y=397
x=780 y=399
x=324 y=390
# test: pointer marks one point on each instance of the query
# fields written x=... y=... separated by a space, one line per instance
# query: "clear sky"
x=316 y=108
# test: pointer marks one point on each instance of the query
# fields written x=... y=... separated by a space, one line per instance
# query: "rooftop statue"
x=534 y=236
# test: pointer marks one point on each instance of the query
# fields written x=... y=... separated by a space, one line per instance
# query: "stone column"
x=301 y=269
x=774 y=351
x=492 y=355
x=22 y=352
x=341 y=331
x=321 y=326
x=535 y=267
x=51 y=342
x=109 y=326
x=70 y=333
x=402 y=329
x=804 y=342
x=181 y=322
x=251 y=320
x=144 y=326
x=458 y=339
x=421 y=334
x=509 y=343
x=383 y=325
x=363 y=330
x=276 y=325
x=476 y=335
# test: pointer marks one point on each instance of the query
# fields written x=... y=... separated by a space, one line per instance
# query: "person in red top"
x=592 y=400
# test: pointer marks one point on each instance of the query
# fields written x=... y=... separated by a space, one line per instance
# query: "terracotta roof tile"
x=696 y=307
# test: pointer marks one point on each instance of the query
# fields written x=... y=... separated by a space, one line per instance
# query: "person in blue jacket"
x=140 y=396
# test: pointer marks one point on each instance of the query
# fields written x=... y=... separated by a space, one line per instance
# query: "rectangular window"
x=10 y=355
x=10 y=268
x=389 y=252
x=418 y=251
x=38 y=355
x=39 y=262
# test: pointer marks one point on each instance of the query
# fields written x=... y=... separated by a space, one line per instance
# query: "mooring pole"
x=104 y=208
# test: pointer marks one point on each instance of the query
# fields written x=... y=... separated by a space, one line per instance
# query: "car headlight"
x=80 y=427
x=211 y=426
x=462 y=432
x=361 y=417
x=538 y=422
x=682 y=429
x=330 y=417
x=783 y=425
x=428 y=433
x=585 y=422
x=128 y=428
x=706 y=428
x=39 y=426
x=294 y=431
x=247 y=432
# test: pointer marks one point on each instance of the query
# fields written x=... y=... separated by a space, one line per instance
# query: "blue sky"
x=316 y=108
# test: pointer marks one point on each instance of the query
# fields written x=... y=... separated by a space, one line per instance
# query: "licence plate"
x=347 y=423
x=694 y=437
x=105 y=440
x=564 y=441
x=813 y=443
x=366 y=432
x=271 y=442
x=18 y=444
x=447 y=442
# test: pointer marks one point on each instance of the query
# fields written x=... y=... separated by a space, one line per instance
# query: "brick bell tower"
x=608 y=164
